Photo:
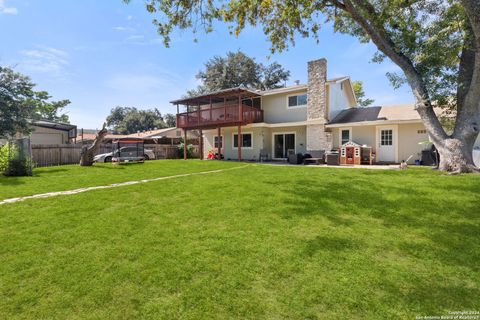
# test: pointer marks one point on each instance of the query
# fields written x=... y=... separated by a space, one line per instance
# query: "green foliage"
x=4 y=151
x=128 y=120
x=16 y=94
x=239 y=70
x=190 y=148
x=360 y=94
x=19 y=102
x=170 y=120
x=13 y=163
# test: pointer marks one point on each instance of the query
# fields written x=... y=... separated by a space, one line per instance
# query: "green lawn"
x=261 y=242
x=73 y=176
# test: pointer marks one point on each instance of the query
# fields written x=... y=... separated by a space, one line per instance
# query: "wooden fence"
x=53 y=155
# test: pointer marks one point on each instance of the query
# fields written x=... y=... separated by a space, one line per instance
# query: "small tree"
x=360 y=94
x=19 y=103
x=129 y=120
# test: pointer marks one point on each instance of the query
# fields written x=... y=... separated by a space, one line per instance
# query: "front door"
x=350 y=152
x=283 y=143
x=386 y=144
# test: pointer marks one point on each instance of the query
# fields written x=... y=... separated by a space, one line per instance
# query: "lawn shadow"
x=452 y=228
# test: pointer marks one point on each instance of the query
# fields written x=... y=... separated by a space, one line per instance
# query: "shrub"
x=3 y=157
x=189 y=151
x=12 y=163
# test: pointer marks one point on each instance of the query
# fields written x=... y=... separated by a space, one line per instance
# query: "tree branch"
x=380 y=37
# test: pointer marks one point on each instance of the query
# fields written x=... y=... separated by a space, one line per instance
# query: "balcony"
x=223 y=108
x=227 y=115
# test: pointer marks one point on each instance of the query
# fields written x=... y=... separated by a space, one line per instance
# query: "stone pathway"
x=110 y=186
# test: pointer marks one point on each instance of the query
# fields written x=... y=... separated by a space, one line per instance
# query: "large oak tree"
x=434 y=42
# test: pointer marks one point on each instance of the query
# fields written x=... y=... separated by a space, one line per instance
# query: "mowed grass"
x=260 y=242
x=71 y=177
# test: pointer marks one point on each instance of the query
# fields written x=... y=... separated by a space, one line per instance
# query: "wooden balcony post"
x=185 y=144
x=239 y=142
x=210 y=110
x=219 y=151
x=198 y=115
x=240 y=108
x=200 y=144
x=224 y=109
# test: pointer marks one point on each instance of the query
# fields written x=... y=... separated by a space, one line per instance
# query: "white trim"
x=300 y=87
x=282 y=124
x=223 y=141
x=373 y=123
x=296 y=95
x=350 y=138
x=233 y=140
x=284 y=133
x=394 y=129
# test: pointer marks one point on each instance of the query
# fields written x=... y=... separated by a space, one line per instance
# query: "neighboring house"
x=50 y=132
x=171 y=136
x=320 y=115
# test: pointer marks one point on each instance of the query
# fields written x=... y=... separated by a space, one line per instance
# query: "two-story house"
x=320 y=115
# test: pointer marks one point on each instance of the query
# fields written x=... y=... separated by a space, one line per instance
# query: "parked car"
x=107 y=157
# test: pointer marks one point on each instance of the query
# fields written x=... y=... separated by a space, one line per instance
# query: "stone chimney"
x=317 y=97
x=317 y=115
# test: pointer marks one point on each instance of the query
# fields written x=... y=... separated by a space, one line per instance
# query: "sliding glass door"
x=283 y=143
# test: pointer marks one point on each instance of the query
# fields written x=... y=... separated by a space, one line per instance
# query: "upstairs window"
x=246 y=140
x=297 y=101
x=345 y=136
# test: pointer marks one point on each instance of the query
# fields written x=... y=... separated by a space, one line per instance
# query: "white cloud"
x=7 y=10
x=135 y=37
x=123 y=29
x=129 y=18
x=45 y=59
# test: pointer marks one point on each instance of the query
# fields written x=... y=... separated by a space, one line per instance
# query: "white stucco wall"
x=262 y=138
x=408 y=139
x=275 y=108
x=338 y=98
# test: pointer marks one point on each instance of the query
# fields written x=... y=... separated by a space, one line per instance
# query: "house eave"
x=372 y=123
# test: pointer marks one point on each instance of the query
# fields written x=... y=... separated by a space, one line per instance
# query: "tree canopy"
x=435 y=43
x=127 y=120
x=19 y=103
x=360 y=94
x=237 y=69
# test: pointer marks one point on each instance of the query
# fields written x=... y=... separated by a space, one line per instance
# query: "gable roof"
x=385 y=113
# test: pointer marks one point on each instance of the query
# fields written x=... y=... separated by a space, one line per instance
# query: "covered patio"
x=233 y=107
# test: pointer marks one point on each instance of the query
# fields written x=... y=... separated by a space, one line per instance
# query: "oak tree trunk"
x=86 y=158
x=455 y=156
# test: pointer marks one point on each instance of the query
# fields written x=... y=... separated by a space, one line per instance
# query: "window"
x=297 y=101
x=246 y=140
x=215 y=142
x=421 y=131
x=386 y=137
x=345 y=136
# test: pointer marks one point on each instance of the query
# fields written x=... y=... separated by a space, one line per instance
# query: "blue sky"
x=100 y=54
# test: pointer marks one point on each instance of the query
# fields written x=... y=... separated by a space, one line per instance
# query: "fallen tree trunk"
x=86 y=159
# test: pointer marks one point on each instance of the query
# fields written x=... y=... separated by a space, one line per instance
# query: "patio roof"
x=244 y=93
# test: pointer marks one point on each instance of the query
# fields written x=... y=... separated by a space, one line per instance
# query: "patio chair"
x=263 y=155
